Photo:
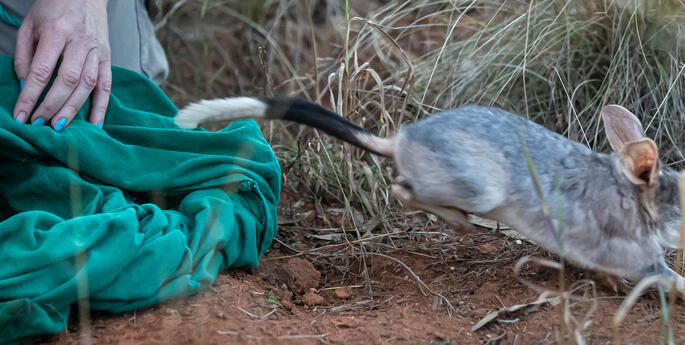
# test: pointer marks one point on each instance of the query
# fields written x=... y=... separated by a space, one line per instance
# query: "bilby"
x=619 y=211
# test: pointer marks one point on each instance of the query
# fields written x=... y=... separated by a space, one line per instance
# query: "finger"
x=102 y=92
x=22 y=59
x=43 y=64
x=25 y=47
x=87 y=83
x=68 y=77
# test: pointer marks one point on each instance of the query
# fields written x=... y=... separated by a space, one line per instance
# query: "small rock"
x=312 y=299
x=343 y=292
x=297 y=274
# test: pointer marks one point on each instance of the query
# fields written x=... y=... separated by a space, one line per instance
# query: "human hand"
x=76 y=31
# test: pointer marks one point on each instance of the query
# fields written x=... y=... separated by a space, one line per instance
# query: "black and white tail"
x=288 y=109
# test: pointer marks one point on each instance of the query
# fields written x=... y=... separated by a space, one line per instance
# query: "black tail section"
x=314 y=115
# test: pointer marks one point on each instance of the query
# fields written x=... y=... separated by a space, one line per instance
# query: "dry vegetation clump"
x=384 y=63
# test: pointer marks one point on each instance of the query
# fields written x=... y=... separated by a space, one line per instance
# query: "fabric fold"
x=128 y=216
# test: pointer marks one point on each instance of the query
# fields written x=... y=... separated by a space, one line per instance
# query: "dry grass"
x=384 y=63
x=556 y=62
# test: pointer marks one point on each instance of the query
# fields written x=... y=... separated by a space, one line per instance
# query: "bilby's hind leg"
x=451 y=215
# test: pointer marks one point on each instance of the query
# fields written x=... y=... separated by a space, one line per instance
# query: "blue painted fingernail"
x=59 y=126
x=21 y=84
x=99 y=124
x=21 y=117
x=38 y=122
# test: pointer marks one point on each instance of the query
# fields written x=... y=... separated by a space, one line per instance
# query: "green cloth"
x=126 y=216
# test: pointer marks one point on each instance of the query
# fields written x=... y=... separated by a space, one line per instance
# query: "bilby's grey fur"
x=618 y=217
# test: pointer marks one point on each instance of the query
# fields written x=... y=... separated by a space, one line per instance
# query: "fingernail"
x=100 y=125
x=38 y=122
x=21 y=85
x=59 y=126
x=21 y=117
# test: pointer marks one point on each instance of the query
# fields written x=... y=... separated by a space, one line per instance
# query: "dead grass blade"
x=543 y=299
x=679 y=265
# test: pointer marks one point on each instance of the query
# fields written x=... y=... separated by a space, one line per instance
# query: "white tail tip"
x=220 y=110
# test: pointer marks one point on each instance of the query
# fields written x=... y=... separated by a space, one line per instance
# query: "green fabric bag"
x=126 y=216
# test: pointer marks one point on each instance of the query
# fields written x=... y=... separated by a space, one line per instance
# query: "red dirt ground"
x=325 y=298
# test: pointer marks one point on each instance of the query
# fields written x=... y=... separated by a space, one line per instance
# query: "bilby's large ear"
x=621 y=127
x=639 y=154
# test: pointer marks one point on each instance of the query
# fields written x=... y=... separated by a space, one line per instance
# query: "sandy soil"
x=334 y=295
